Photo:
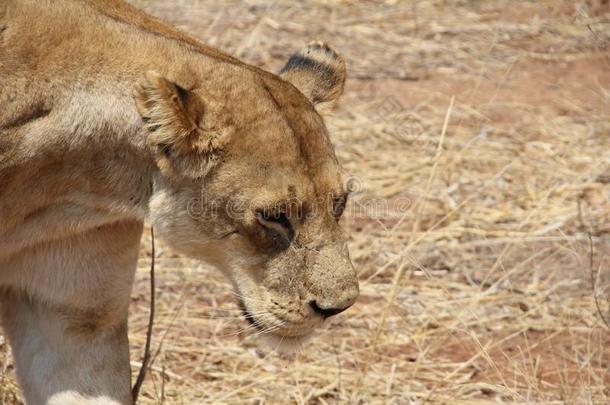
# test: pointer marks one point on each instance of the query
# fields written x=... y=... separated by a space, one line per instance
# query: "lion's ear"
x=317 y=71
x=186 y=141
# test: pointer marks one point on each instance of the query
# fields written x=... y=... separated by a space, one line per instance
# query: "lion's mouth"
x=252 y=320
x=280 y=340
x=285 y=331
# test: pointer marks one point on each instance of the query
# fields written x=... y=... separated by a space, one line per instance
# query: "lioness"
x=108 y=117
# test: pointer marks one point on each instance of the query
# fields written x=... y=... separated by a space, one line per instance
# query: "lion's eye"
x=277 y=226
x=339 y=206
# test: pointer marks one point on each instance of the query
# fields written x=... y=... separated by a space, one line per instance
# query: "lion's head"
x=249 y=181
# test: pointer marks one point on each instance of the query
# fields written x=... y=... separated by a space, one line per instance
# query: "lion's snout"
x=336 y=297
x=327 y=310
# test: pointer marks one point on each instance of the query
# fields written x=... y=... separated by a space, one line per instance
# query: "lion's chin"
x=285 y=345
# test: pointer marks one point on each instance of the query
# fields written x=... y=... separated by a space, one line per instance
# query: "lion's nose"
x=326 y=312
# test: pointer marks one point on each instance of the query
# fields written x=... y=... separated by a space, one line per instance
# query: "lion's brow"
x=280 y=111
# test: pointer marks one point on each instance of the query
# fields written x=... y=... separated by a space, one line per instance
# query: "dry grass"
x=471 y=228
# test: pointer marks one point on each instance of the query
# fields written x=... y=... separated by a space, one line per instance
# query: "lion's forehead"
x=285 y=147
x=307 y=127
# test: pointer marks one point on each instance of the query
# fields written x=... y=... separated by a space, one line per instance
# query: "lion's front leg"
x=63 y=357
x=64 y=307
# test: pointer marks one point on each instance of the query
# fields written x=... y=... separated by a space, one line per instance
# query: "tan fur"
x=109 y=117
